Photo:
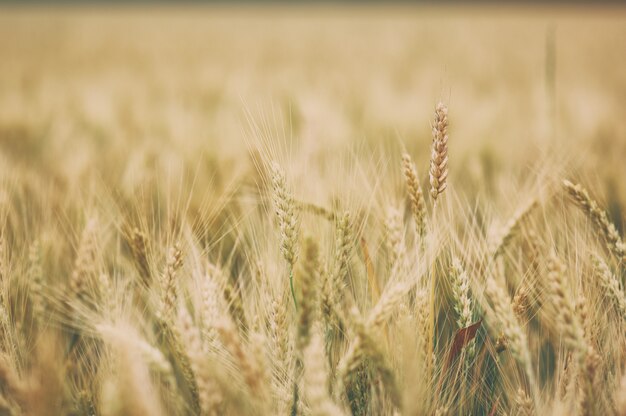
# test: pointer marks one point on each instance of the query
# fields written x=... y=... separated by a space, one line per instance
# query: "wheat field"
x=312 y=210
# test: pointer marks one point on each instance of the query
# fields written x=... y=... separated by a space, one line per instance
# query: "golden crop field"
x=312 y=210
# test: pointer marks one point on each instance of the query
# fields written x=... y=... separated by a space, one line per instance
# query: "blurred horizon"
x=352 y=9
x=289 y=3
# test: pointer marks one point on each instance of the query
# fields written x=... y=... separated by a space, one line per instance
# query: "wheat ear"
x=567 y=320
x=390 y=299
x=414 y=190
x=587 y=374
x=513 y=333
x=523 y=404
x=598 y=217
x=307 y=275
x=208 y=394
x=504 y=236
x=281 y=349
x=364 y=347
x=394 y=236
x=287 y=221
x=169 y=285
x=84 y=266
x=139 y=248
x=210 y=308
x=35 y=274
x=316 y=379
x=250 y=369
x=610 y=284
x=460 y=290
x=343 y=253
x=439 y=153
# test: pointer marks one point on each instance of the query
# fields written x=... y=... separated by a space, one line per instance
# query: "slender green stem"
x=433 y=321
x=293 y=292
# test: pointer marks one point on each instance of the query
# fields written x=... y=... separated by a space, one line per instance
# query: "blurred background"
x=122 y=92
